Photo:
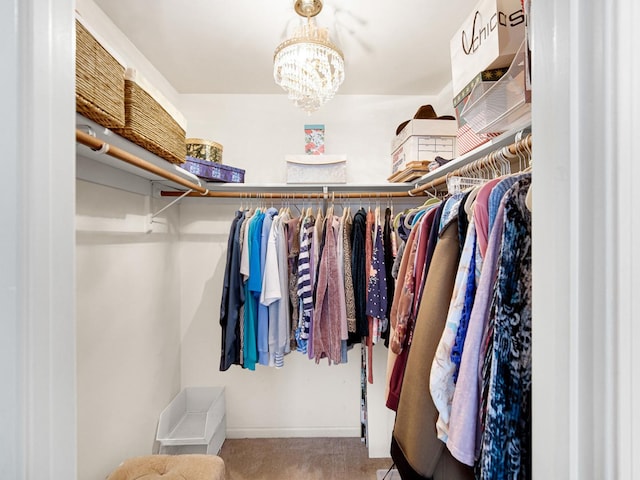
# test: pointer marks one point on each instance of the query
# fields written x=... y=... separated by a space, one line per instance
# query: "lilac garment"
x=464 y=437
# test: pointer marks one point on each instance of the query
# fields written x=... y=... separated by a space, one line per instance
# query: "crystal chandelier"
x=308 y=66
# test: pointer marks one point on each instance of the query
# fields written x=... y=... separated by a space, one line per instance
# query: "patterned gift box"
x=213 y=172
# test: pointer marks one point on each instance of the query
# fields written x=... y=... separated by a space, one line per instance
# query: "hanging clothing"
x=403 y=310
x=441 y=384
x=359 y=274
x=400 y=304
x=305 y=286
x=369 y=233
x=276 y=290
x=481 y=213
x=342 y=295
x=270 y=266
x=253 y=287
x=232 y=297
x=416 y=449
x=348 y=276
x=263 y=310
x=464 y=431
x=328 y=313
x=389 y=258
x=293 y=247
x=498 y=192
x=506 y=440
x=244 y=274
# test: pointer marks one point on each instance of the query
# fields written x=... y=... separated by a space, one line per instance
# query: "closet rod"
x=296 y=195
x=516 y=147
x=199 y=191
x=104 y=147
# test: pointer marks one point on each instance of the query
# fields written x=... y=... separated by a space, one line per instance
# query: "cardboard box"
x=423 y=140
x=487 y=39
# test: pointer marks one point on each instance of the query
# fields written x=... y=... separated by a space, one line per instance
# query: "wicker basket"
x=149 y=125
x=99 y=81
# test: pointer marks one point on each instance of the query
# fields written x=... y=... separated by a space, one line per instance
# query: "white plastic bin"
x=502 y=105
x=194 y=422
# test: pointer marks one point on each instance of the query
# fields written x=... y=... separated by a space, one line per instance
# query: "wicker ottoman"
x=170 y=467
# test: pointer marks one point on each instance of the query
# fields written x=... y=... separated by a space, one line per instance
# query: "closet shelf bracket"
x=151 y=217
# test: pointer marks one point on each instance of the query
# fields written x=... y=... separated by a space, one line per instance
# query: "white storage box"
x=316 y=169
x=194 y=422
x=423 y=140
x=488 y=38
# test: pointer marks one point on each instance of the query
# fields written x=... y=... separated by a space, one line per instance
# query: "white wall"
x=122 y=48
x=257 y=131
x=128 y=331
x=303 y=399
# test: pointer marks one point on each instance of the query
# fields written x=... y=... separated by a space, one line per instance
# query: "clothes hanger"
x=527 y=148
x=471 y=200
x=329 y=209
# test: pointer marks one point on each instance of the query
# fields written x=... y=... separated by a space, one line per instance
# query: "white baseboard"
x=300 y=432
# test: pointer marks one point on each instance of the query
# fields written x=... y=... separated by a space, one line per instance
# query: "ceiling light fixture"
x=308 y=66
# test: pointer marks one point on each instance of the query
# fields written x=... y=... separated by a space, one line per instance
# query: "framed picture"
x=314 y=139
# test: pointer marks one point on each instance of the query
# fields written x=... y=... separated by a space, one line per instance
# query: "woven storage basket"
x=99 y=81
x=149 y=125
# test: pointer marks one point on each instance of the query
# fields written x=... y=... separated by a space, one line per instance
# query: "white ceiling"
x=226 y=46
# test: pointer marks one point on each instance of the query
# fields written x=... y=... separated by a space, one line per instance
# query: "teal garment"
x=263 y=310
x=250 y=353
x=255 y=248
x=253 y=287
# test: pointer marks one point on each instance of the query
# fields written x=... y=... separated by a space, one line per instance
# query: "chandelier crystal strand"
x=309 y=67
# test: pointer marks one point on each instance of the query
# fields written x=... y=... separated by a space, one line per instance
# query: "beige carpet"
x=300 y=459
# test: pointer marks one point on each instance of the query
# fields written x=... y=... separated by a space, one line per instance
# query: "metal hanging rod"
x=200 y=191
x=522 y=145
x=296 y=195
x=101 y=146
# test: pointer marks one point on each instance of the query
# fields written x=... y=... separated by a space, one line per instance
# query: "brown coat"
x=416 y=447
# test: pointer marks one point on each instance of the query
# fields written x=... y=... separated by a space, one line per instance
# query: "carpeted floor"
x=300 y=459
